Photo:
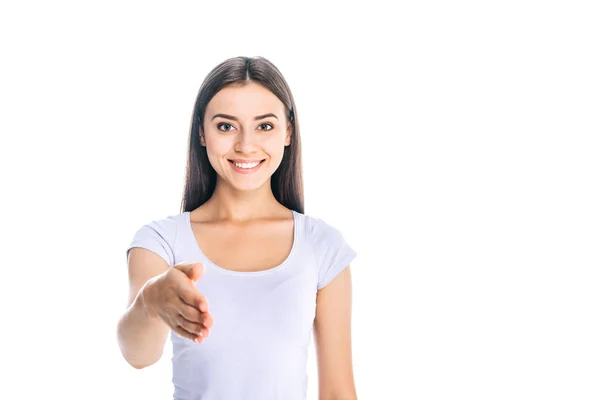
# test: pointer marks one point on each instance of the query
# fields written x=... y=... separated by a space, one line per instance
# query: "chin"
x=249 y=186
x=252 y=185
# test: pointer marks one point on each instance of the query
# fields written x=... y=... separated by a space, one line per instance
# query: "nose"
x=245 y=142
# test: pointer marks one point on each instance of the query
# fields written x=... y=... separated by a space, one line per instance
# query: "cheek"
x=217 y=145
x=274 y=143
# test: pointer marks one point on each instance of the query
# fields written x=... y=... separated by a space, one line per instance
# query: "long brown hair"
x=201 y=178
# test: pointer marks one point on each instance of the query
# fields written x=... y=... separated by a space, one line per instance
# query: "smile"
x=243 y=168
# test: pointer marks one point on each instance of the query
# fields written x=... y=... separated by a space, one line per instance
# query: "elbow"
x=138 y=364
x=139 y=357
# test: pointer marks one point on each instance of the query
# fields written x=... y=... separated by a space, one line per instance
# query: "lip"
x=247 y=170
x=246 y=161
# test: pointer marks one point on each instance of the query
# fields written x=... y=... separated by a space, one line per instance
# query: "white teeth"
x=245 y=166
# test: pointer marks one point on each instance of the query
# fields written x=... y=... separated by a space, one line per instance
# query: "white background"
x=455 y=145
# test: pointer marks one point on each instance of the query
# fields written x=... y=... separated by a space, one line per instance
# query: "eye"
x=271 y=126
x=223 y=124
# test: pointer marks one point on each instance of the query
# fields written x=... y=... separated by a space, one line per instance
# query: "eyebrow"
x=235 y=118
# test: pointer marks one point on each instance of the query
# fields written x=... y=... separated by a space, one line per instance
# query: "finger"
x=196 y=272
x=185 y=334
x=193 y=298
x=184 y=266
x=208 y=320
x=203 y=304
x=193 y=328
x=191 y=313
x=193 y=270
x=205 y=320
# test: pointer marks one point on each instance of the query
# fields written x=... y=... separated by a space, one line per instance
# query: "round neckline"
x=188 y=221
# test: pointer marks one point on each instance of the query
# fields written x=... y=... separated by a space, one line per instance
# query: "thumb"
x=193 y=270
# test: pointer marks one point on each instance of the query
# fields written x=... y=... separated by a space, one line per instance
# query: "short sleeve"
x=159 y=237
x=333 y=253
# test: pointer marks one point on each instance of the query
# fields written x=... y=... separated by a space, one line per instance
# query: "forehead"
x=248 y=100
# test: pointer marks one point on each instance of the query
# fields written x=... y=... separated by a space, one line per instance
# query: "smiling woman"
x=248 y=144
x=241 y=277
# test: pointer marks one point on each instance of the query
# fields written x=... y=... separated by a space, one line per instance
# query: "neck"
x=233 y=205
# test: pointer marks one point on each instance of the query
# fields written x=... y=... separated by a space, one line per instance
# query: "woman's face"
x=245 y=124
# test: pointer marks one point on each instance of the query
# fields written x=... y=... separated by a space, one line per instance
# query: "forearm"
x=141 y=337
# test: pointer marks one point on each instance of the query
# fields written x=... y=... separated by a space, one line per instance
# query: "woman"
x=242 y=276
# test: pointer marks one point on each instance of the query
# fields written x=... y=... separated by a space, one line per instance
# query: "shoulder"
x=321 y=231
x=333 y=253
x=159 y=235
x=166 y=226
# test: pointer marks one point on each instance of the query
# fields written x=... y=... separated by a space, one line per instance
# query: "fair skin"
x=332 y=338
x=243 y=206
x=244 y=197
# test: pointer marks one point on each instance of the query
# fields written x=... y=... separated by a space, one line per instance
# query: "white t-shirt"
x=257 y=348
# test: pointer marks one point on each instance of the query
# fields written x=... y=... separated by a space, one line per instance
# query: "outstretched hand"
x=174 y=298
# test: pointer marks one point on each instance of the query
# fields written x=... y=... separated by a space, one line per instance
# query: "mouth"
x=246 y=168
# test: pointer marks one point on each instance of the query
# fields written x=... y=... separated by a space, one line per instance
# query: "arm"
x=332 y=337
x=141 y=337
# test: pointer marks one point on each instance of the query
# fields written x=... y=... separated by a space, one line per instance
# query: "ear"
x=288 y=137
x=202 y=141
